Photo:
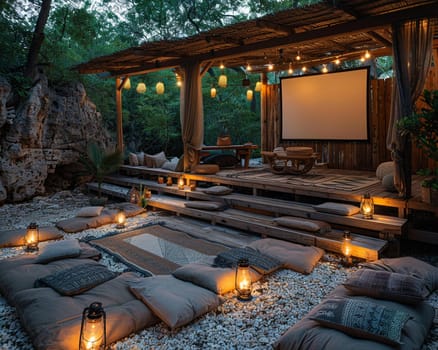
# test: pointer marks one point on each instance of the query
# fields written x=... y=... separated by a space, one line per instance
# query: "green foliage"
x=422 y=126
x=99 y=163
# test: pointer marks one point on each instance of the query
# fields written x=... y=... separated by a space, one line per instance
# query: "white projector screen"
x=331 y=106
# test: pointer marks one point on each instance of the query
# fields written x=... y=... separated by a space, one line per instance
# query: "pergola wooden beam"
x=360 y=25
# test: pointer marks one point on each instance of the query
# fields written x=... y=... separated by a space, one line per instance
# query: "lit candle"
x=181 y=183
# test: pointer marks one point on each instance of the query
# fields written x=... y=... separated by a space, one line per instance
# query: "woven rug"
x=158 y=250
x=333 y=181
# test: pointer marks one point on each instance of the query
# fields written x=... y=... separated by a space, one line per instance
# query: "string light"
x=248 y=67
x=337 y=61
x=304 y=69
x=324 y=68
x=270 y=66
x=290 y=70
x=178 y=80
x=221 y=66
x=367 y=54
x=298 y=57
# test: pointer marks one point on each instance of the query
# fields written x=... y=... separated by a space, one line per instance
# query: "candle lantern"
x=93 y=328
x=181 y=183
x=160 y=180
x=147 y=193
x=367 y=206
x=243 y=280
x=134 y=195
x=32 y=237
x=192 y=185
x=120 y=219
x=169 y=181
x=346 y=247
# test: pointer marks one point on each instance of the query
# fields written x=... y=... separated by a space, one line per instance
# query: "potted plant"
x=98 y=163
x=423 y=128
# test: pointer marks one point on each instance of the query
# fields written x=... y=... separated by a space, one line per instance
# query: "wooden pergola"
x=320 y=34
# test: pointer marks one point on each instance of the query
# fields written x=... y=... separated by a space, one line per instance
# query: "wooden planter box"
x=429 y=196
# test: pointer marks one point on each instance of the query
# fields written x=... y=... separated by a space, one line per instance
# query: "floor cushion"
x=262 y=263
x=387 y=285
x=409 y=266
x=315 y=226
x=107 y=216
x=337 y=208
x=205 y=205
x=362 y=319
x=89 y=211
x=309 y=334
x=217 y=279
x=218 y=190
x=53 y=321
x=15 y=238
x=69 y=248
x=291 y=255
x=174 y=301
x=21 y=272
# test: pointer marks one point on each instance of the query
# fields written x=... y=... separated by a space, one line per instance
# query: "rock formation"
x=41 y=140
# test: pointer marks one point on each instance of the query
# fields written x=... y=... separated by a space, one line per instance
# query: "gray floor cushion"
x=53 y=321
x=106 y=217
x=291 y=255
x=21 y=272
x=217 y=279
x=309 y=334
x=409 y=266
x=15 y=238
x=174 y=301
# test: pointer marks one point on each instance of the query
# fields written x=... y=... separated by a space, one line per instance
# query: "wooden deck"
x=387 y=202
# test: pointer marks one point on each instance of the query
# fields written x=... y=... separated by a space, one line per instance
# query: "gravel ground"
x=281 y=299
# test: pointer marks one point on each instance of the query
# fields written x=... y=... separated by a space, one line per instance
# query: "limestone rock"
x=48 y=132
x=5 y=90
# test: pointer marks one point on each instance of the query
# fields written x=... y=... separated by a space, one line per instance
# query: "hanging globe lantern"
x=160 y=88
x=213 y=92
x=249 y=94
x=127 y=84
x=258 y=86
x=222 y=82
x=141 y=88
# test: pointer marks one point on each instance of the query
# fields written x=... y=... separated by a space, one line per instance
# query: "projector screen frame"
x=361 y=140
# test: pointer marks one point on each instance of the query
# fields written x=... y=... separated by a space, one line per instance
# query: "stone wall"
x=45 y=133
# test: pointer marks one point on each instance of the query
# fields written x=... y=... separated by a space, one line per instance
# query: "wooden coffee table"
x=282 y=163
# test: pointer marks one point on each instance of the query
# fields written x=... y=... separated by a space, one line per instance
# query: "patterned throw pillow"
x=258 y=261
x=77 y=279
x=362 y=319
x=155 y=160
x=387 y=285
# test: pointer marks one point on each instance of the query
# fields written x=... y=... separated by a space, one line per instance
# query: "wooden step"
x=389 y=225
x=364 y=247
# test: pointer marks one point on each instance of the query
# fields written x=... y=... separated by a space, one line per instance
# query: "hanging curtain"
x=192 y=114
x=412 y=47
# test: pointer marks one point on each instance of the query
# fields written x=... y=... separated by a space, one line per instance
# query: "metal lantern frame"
x=93 y=315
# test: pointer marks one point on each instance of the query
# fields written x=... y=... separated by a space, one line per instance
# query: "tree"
x=37 y=38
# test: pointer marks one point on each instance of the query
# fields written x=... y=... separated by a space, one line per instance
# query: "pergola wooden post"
x=120 y=83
